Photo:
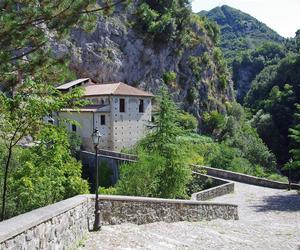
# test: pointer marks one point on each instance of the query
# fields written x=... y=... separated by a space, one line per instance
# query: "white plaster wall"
x=121 y=130
x=129 y=127
x=105 y=130
x=85 y=127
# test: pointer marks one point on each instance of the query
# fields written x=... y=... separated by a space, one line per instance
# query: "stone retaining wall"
x=140 y=210
x=63 y=224
x=220 y=187
x=225 y=174
x=56 y=226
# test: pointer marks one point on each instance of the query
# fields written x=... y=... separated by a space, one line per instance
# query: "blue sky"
x=282 y=16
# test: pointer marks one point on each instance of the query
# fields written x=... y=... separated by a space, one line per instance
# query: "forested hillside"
x=248 y=45
x=240 y=31
x=272 y=99
x=266 y=75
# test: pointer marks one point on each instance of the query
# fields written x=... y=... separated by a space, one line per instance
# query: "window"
x=102 y=118
x=74 y=128
x=122 y=105
x=141 y=106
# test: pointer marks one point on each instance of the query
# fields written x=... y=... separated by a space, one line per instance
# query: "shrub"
x=47 y=173
x=142 y=178
x=164 y=20
x=169 y=77
x=223 y=156
x=214 y=122
x=195 y=66
x=223 y=79
x=188 y=122
x=198 y=184
x=108 y=191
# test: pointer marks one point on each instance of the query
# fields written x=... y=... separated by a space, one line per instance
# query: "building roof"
x=93 y=89
x=114 y=89
x=68 y=85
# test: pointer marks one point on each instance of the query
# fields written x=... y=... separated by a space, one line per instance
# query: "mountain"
x=240 y=31
x=248 y=45
x=133 y=47
x=273 y=98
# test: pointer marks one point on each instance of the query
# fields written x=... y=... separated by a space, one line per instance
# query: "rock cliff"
x=117 y=51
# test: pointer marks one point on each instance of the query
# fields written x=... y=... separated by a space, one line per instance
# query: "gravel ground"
x=269 y=219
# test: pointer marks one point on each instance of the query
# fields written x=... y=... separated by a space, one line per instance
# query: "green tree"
x=142 y=178
x=169 y=77
x=298 y=40
x=294 y=134
x=234 y=131
x=28 y=27
x=164 y=140
x=162 y=146
x=166 y=126
x=188 y=122
x=164 y=20
x=22 y=114
x=213 y=122
x=47 y=173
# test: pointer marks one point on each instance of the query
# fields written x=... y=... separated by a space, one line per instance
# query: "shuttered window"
x=122 y=105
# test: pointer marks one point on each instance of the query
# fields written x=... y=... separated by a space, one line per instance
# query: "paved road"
x=269 y=219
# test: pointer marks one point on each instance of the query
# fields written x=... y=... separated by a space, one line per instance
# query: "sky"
x=283 y=16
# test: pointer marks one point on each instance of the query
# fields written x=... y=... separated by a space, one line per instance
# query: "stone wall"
x=141 y=210
x=229 y=175
x=63 y=224
x=220 y=187
x=56 y=226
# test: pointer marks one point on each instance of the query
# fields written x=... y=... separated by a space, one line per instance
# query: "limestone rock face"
x=115 y=51
x=244 y=76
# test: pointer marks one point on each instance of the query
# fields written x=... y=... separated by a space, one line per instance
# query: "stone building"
x=120 y=112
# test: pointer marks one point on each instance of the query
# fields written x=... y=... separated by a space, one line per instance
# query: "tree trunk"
x=5 y=184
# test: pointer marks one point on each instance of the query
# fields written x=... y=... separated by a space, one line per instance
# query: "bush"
x=164 y=20
x=46 y=173
x=223 y=79
x=188 y=122
x=107 y=191
x=195 y=66
x=169 y=77
x=214 y=122
x=74 y=141
x=142 y=178
x=198 y=184
x=223 y=156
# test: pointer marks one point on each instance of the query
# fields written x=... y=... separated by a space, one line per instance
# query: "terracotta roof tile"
x=114 y=89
